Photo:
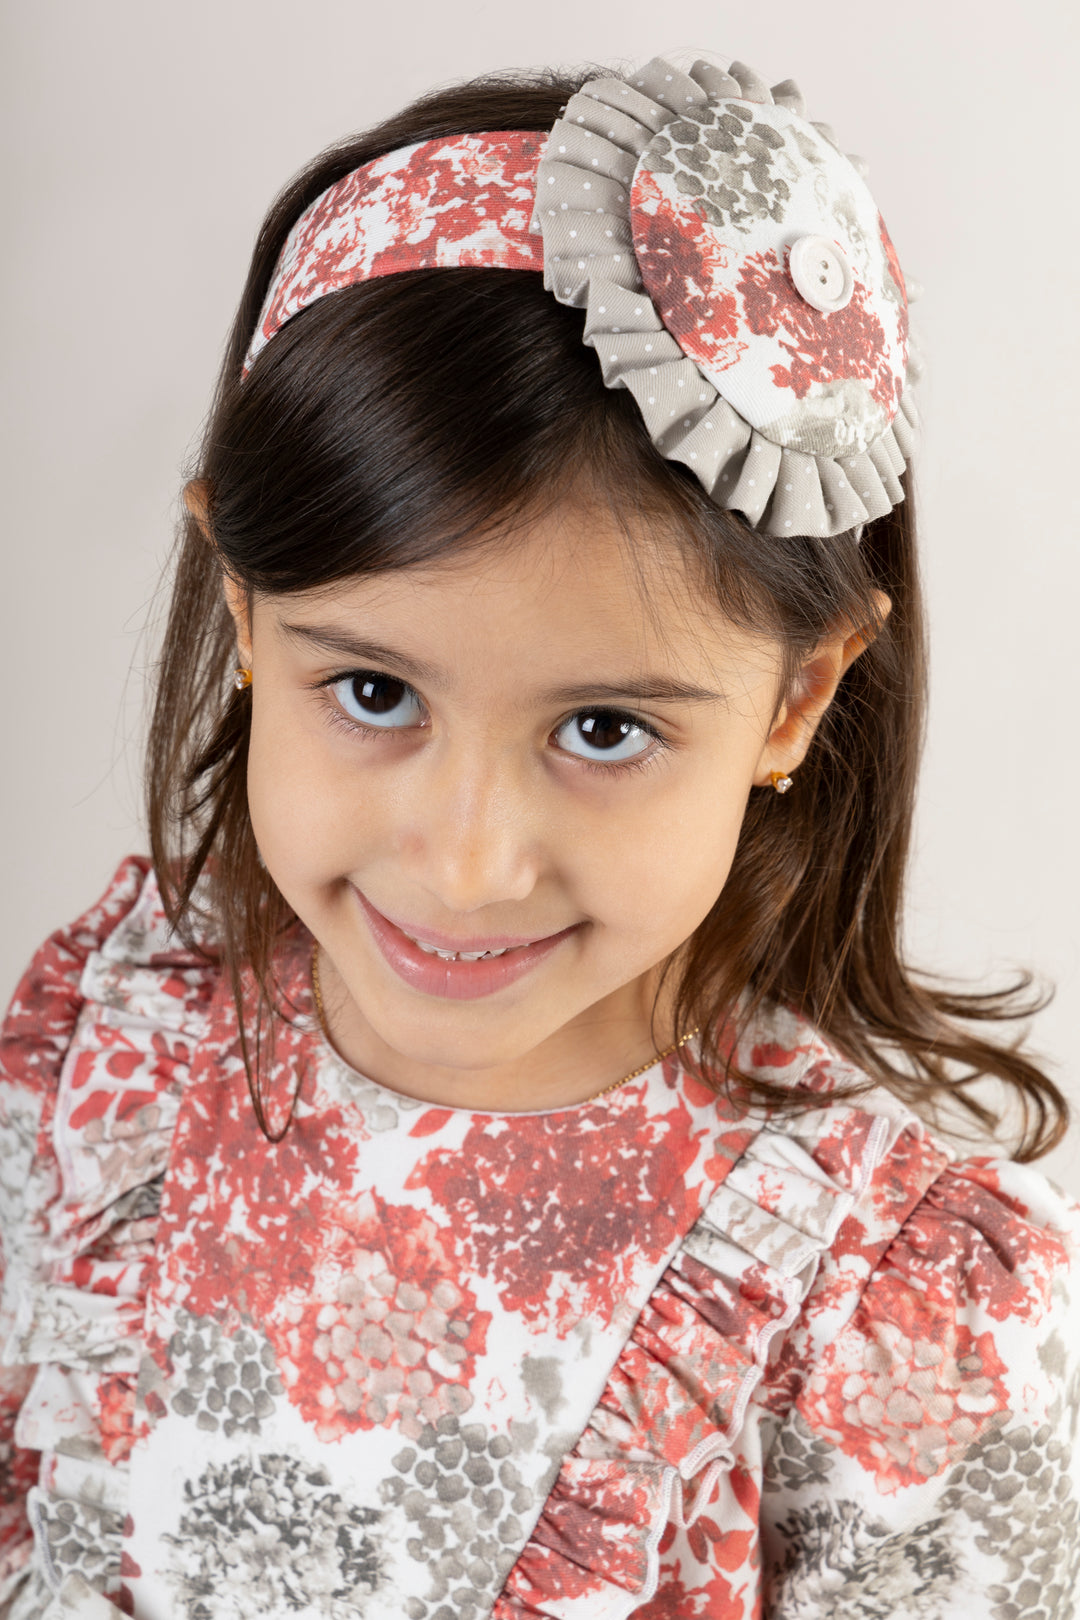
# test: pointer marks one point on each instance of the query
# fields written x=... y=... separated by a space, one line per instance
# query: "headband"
x=734 y=271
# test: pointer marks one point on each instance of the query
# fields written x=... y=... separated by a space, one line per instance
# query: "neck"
x=588 y=1055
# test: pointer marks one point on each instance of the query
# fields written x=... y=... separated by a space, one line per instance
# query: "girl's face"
x=548 y=746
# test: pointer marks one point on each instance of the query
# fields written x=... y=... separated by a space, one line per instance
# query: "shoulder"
x=114 y=954
x=91 y=1053
x=923 y=1407
x=961 y=1234
x=43 y=1010
x=930 y=1458
x=965 y=1264
x=967 y=1321
x=92 y=1057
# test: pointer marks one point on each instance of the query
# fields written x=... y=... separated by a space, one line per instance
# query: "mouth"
x=433 y=967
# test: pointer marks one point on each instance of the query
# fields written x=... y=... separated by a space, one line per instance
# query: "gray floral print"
x=727 y=162
x=267 y=1536
x=460 y=1489
x=226 y=1382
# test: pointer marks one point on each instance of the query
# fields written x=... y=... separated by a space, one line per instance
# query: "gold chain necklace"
x=657 y=1057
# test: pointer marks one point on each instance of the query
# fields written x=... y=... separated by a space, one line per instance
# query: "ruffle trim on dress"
x=89 y=1243
x=37 y=1033
x=661 y=1445
x=75 y=1600
x=583 y=210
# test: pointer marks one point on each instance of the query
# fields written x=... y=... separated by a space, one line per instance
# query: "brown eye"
x=377 y=700
x=605 y=734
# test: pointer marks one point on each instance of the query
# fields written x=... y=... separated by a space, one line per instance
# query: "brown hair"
x=400 y=420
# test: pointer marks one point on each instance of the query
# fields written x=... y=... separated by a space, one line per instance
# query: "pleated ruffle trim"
x=80 y=1285
x=687 y=192
x=660 y=1446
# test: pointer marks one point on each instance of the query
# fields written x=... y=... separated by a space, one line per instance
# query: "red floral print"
x=905 y=1391
x=388 y=1335
x=548 y=1213
x=585 y=1524
x=467 y=200
x=116 y=1395
x=1009 y=1265
x=40 y=1020
x=849 y=343
x=724 y=1563
x=679 y=1599
x=361 y=1299
x=684 y=265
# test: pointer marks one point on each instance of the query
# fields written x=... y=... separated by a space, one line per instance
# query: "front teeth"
x=459 y=956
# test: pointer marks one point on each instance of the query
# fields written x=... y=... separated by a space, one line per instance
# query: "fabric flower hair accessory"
x=735 y=274
x=738 y=279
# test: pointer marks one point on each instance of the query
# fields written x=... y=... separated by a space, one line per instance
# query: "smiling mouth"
x=461 y=972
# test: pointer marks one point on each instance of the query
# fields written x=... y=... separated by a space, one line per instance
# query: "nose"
x=471 y=836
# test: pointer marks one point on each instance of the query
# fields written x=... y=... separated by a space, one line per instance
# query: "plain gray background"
x=143 y=143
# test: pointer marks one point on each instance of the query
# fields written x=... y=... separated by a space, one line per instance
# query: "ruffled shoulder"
x=932 y=1449
x=93 y=1057
x=36 y=1034
x=952 y=1324
x=41 y=1018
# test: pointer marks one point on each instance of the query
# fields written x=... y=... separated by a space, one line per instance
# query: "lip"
x=457 y=981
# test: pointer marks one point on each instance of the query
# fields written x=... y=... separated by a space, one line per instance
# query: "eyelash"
x=637 y=762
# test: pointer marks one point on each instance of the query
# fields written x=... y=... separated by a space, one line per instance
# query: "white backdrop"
x=143 y=141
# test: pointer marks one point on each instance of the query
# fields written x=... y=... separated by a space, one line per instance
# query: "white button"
x=821 y=273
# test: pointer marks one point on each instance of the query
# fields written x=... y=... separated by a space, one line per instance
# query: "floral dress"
x=645 y=1355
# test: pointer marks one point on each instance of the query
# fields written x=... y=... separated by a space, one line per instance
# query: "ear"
x=238 y=602
x=197 y=501
x=815 y=687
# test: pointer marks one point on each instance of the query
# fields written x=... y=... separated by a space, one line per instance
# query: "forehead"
x=575 y=586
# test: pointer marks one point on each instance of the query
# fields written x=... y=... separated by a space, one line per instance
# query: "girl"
x=482 y=1164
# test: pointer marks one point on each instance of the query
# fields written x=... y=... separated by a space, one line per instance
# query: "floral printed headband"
x=736 y=276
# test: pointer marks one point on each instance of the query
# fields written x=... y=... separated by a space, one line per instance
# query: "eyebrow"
x=642 y=689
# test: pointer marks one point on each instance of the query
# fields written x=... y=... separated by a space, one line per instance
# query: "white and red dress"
x=644 y=1355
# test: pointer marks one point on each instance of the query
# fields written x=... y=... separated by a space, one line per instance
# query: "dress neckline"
x=612 y=1104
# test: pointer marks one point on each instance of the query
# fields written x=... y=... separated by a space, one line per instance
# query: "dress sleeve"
x=929 y=1467
x=34 y=1041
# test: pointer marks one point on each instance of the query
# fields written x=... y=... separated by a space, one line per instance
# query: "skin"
x=480 y=815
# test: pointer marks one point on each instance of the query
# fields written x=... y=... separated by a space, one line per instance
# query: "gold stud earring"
x=241 y=678
x=781 y=781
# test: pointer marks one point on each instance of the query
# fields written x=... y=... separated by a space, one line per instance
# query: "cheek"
x=662 y=876
x=302 y=813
